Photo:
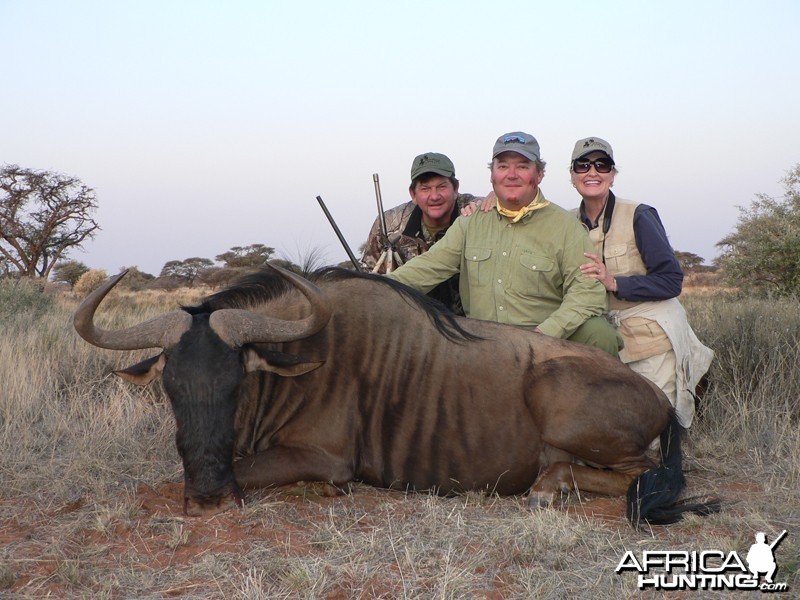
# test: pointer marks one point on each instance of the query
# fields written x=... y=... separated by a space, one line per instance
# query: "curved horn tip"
x=118 y=276
x=107 y=285
x=278 y=269
x=94 y=298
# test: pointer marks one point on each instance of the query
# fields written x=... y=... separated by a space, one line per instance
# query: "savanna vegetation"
x=90 y=502
x=761 y=253
x=43 y=215
x=46 y=215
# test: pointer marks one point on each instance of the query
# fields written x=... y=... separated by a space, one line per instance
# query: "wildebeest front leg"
x=563 y=477
x=281 y=465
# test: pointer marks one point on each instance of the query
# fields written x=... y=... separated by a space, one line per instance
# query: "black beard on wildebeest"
x=354 y=377
x=204 y=404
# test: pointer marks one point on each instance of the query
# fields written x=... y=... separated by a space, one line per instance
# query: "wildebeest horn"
x=239 y=327
x=161 y=332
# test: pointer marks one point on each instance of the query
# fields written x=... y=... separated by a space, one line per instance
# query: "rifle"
x=777 y=541
x=390 y=255
x=339 y=235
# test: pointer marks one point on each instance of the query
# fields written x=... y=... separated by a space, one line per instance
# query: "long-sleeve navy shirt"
x=664 y=278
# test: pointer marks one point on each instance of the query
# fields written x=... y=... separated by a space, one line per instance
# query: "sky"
x=207 y=125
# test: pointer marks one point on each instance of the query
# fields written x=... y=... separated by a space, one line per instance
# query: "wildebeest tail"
x=653 y=497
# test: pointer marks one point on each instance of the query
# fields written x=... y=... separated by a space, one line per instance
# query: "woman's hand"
x=484 y=205
x=597 y=270
x=470 y=208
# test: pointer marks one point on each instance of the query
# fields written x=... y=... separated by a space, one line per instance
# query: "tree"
x=689 y=261
x=215 y=277
x=135 y=279
x=69 y=271
x=763 y=252
x=43 y=215
x=186 y=270
x=253 y=255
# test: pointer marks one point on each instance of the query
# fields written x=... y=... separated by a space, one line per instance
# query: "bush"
x=754 y=394
x=135 y=280
x=167 y=284
x=89 y=282
x=761 y=255
x=218 y=277
x=23 y=296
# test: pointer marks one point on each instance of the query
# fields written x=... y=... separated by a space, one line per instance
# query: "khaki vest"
x=643 y=337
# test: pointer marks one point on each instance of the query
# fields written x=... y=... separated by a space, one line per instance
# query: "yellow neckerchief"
x=516 y=215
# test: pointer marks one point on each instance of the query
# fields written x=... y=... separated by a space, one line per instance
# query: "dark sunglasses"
x=601 y=165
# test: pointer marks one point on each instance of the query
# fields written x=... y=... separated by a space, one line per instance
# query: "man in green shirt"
x=520 y=263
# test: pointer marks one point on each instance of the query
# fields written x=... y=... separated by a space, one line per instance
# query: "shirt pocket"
x=617 y=258
x=532 y=274
x=478 y=265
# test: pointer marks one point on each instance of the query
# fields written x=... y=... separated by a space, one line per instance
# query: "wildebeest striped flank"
x=344 y=376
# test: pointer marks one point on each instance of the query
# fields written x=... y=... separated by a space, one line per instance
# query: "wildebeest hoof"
x=540 y=499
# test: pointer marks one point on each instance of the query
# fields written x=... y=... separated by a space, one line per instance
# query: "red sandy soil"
x=232 y=531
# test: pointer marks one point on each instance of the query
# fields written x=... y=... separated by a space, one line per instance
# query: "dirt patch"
x=148 y=532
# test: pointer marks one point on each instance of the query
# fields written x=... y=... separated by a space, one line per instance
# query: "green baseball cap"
x=432 y=162
x=592 y=144
x=519 y=142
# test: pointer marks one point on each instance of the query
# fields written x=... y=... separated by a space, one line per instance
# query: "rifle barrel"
x=777 y=540
x=347 y=249
x=381 y=216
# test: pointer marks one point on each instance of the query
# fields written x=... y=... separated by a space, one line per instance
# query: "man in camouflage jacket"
x=415 y=226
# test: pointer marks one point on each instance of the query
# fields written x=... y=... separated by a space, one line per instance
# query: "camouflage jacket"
x=404 y=226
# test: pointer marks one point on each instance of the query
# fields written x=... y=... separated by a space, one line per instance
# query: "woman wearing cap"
x=635 y=262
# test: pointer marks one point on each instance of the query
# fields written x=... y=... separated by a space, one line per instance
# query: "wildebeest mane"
x=266 y=284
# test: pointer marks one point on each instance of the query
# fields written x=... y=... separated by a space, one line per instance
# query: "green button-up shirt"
x=525 y=273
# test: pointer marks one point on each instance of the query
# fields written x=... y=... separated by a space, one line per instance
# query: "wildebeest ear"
x=288 y=365
x=144 y=372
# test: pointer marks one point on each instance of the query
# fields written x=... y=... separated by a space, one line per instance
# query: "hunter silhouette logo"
x=707 y=569
x=761 y=559
x=591 y=142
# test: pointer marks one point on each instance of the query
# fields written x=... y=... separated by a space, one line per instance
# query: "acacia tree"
x=689 y=261
x=43 y=215
x=253 y=255
x=187 y=270
x=69 y=271
x=763 y=251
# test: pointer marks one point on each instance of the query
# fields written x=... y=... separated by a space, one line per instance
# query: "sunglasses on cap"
x=601 y=165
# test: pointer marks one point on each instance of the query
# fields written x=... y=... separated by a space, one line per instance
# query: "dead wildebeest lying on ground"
x=346 y=376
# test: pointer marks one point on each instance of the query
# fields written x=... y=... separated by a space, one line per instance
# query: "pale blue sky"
x=205 y=125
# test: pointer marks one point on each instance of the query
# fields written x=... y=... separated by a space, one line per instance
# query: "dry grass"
x=90 y=501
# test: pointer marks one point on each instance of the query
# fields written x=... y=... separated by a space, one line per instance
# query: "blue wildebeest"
x=351 y=377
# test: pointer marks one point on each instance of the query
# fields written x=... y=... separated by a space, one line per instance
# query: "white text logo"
x=707 y=569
